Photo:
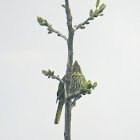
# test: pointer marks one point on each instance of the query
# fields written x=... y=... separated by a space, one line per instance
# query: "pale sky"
x=108 y=51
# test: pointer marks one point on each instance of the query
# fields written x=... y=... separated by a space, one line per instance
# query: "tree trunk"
x=67 y=133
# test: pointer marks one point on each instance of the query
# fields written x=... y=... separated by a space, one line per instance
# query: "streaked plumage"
x=76 y=84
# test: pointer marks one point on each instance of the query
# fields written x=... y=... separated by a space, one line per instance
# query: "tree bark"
x=67 y=133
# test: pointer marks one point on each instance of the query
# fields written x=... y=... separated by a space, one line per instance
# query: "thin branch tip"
x=50 y=74
x=92 y=15
x=44 y=22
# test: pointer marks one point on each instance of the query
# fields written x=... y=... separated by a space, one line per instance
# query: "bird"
x=77 y=83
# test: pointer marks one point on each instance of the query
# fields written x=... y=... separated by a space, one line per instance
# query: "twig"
x=50 y=74
x=44 y=22
x=81 y=24
x=92 y=15
x=57 y=32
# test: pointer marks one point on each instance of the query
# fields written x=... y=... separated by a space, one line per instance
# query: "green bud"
x=101 y=14
x=49 y=71
x=91 y=13
x=89 y=84
x=82 y=27
x=96 y=13
x=87 y=22
x=95 y=84
x=52 y=73
x=88 y=91
x=53 y=77
x=90 y=18
x=102 y=7
x=41 y=21
x=97 y=3
x=45 y=72
x=49 y=32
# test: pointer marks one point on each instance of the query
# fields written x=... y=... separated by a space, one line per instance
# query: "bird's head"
x=76 y=68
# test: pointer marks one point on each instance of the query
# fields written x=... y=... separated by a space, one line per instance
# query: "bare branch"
x=44 y=22
x=69 y=17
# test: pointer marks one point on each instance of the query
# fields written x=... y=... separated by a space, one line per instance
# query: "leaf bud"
x=82 y=27
x=102 y=7
x=41 y=21
x=97 y=3
x=91 y=13
x=90 y=18
x=94 y=85
x=45 y=72
x=96 y=13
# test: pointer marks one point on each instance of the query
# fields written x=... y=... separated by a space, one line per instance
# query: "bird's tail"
x=59 y=110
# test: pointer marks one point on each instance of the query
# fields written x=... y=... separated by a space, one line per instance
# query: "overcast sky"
x=108 y=51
